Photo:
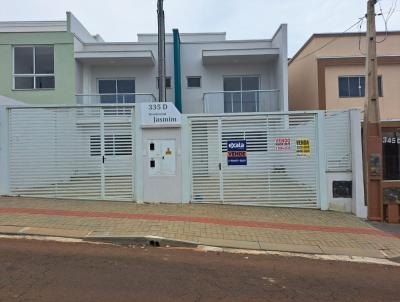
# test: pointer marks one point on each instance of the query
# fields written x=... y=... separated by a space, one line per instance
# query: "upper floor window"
x=241 y=94
x=354 y=86
x=116 y=91
x=193 y=82
x=34 y=67
x=168 y=83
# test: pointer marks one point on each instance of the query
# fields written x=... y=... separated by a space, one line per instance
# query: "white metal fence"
x=280 y=171
x=338 y=141
x=72 y=152
x=89 y=152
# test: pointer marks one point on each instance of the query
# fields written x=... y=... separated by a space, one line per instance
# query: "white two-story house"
x=206 y=73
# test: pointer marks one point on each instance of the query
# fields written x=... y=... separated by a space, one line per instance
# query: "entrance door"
x=117 y=155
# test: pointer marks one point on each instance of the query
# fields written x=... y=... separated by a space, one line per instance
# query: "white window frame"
x=116 y=83
x=190 y=77
x=116 y=86
x=360 y=91
x=241 y=84
x=33 y=75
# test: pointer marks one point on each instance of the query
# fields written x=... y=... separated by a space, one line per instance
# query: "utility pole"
x=372 y=144
x=161 y=51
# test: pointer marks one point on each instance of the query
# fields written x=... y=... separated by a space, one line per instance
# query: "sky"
x=121 y=20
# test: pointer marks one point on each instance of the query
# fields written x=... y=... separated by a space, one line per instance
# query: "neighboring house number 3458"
x=391 y=140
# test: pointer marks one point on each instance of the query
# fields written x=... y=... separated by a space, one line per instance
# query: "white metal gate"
x=280 y=170
x=72 y=152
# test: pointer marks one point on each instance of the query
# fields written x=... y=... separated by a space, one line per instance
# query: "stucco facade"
x=64 y=62
x=315 y=69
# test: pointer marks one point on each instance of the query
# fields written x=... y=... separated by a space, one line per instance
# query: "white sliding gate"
x=72 y=152
x=280 y=170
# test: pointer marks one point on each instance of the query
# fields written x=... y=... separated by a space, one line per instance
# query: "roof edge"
x=333 y=34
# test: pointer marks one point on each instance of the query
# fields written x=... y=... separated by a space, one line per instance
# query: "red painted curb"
x=206 y=220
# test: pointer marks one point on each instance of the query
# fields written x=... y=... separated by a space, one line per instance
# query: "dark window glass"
x=354 y=86
x=194 y=82
x=362 y=86
x=126 y=89
x=108 y=87
x=391 y=154
x=44 y=82
x=232 y=84
x=343 y=86
x=23 y=60
x=23 y=82
x=380 y=87
x=44 y=60
x=250 y=83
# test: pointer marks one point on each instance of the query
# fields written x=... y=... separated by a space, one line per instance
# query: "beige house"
x=328 y=73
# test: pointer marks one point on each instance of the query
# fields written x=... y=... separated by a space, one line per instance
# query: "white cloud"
x=121 y=20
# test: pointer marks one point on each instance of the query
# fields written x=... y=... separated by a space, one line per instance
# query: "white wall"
x=281 y=68
x=273 y=74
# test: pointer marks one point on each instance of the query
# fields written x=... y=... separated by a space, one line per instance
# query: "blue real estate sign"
x=237 y=153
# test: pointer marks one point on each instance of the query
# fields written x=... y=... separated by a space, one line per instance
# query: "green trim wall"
x=177 y=70
x=64 y=67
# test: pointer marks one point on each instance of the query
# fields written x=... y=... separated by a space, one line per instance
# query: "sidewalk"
x=274 y=229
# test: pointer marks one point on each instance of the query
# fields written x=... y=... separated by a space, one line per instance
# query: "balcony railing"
x=114 y=98
x=241 y=101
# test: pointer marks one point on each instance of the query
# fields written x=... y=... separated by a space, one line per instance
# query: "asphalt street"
x=32 y=270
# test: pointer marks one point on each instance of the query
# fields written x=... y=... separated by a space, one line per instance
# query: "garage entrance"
x=257 y=159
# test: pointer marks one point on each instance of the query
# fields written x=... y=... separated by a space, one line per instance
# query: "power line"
x=331 y=40
x=386 y=19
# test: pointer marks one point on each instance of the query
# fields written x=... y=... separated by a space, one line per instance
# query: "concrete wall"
x=64 y=67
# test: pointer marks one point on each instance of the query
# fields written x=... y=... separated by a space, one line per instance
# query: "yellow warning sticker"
x=168 y=152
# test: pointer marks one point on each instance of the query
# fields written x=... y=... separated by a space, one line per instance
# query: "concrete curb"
x=156 y=241
x=168 y=243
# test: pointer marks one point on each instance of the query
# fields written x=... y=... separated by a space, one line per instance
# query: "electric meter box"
x=162 y=157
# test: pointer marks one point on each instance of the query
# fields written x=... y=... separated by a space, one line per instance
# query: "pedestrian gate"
x=72 y=152
x=282 y=159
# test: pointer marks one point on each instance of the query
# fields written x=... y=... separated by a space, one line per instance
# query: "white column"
x=358 y=206
x=139 y=155
x=186 y=161
x=322 y=179
x=4 y=156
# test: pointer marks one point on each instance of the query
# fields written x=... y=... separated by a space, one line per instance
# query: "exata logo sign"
x=239 y=145
x=236 y=145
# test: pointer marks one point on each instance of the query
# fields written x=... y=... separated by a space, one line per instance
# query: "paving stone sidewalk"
x=275 y=229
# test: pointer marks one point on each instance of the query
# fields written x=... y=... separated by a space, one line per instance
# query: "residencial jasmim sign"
x=159 y=115
x=237 y=153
